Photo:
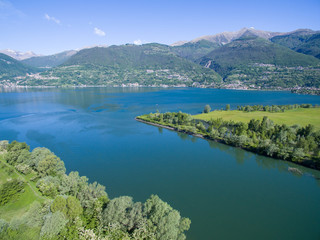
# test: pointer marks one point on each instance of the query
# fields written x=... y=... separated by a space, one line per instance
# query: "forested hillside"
x=38 y=200
x=10 y=67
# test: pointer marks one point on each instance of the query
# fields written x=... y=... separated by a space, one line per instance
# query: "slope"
x=258 y=61
x=304 y=41
x=49 y=61
x=195 y=50
x=10 y=67
x=227 y=37
x=147 y=65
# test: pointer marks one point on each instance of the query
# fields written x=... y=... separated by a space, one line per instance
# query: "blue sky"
x=48 y=27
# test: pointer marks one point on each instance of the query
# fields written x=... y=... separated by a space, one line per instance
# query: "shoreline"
x=306 y=163
x=151 y=86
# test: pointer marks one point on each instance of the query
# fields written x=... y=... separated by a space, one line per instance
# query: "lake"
x=227 y=193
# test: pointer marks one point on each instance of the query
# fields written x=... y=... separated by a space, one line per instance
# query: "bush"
x=10 y=189
x=207 y=109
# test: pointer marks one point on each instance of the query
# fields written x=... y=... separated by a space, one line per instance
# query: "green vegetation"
x=261 y=63
x=145 y=65
x=207 y=109
x=303 y=43
x=49 y=61
x=17 y=200
x=288 y=117
x=248 y=61
x=309 y=91
x=253 y=131
x=10 y=67
x=194 y=50
x=10 y=189
x=38 y=200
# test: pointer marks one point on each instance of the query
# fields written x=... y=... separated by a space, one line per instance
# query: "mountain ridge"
x=50 y=60
x=228 y=36
x=18 y=55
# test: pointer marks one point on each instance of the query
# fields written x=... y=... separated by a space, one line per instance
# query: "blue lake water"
x=227 y=193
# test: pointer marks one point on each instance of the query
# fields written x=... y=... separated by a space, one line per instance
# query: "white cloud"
x=137 y=42
x=99 y=32
x=57 y=21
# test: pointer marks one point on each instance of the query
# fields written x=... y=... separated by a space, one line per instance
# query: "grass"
x=20 y=204
x=300 y=116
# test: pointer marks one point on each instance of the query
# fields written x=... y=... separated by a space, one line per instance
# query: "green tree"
x=207 y=108
x=166 y=222
x=37 y=155
x=3 y=145
x=124 y=212
x=14 y=150
x=53 y=225
x=51 y=165
x=48 y=185
x=59 y=204
x=228 y=107
x=74 y=208
x=298 y=154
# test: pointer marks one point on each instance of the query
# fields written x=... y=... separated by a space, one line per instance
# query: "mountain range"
x=19 y=55
x=247 y=58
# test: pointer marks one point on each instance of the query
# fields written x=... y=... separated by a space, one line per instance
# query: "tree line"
x=293 y=143
x=77 y=209
x=273 y=108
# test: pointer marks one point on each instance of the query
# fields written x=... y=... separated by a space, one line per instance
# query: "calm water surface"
x=228 y=193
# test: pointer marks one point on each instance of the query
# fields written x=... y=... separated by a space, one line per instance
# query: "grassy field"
x=300 y=116
x=20 y=204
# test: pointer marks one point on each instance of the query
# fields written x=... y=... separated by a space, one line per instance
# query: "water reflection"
x=241 y=156
x=93 y=130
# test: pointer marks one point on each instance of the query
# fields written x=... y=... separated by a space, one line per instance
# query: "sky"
x=48 y=27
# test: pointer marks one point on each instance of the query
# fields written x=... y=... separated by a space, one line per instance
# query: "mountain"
x=302 y=40
x=247 y=58
x=251 y=58
x=227 y=37
x=311 y=46
x=148 y=65
x=19 y=55
x=49 y=61
x=179 y=43
x=194 y=50
x=10 y=67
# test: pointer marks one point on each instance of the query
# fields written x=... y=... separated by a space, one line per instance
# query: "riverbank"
x=303 y=162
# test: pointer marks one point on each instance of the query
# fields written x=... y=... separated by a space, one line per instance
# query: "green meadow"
x=300 y=116
x=20 y=203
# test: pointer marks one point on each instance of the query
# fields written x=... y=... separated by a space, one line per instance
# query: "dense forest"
x=292 y=143
x=72 y=208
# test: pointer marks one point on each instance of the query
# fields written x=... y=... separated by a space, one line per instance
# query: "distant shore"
x=309 y=91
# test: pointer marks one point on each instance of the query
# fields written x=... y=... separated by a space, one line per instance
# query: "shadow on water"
x=241 y=156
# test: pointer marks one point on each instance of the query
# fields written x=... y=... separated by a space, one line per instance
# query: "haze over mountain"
x=194 y=50
x=302 y=40
x=19 y=55
x=245 y=58
x=49 y=61
x=258 y=61
x=10 y=67
x=252 y=49
x=226 y=37
x=148 y=64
